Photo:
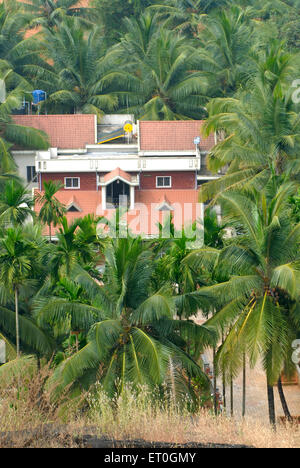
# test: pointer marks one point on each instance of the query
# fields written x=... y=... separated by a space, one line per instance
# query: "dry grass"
x=136 y=419
x=32 y=420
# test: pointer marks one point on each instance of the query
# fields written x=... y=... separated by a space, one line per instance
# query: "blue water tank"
x=38 y=96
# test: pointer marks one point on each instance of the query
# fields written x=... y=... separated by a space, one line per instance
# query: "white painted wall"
x=24 y=159
x=116 y=119
x=128 y=164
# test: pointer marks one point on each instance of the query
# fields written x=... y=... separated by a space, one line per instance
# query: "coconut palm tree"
x=214 y=230
x=183 y=279
x=139 y=35
x=227 y=40
x=15 y=49
x=268 y=9
x=77 y=244
x=14 y=90
x=159 y=75
x=66 y=310
x=259 y=128
x=19 y=256
x=74 y=82
x=51 y=209
x=259 y=302
x=48 y=12
x=135 y=338
x=187 y=15
x=107 y=14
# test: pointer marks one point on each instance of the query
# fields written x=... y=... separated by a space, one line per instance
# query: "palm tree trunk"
x=283 y=401
x=244 y=386
x=223 y=381
x=231 y=397
x=38 y=361
x=224 y=391
x=17 y=322
x=50 y=239
x=271 y=404
x=77 y=342
x=215 y=382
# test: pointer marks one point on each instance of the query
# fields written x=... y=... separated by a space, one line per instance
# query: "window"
x=165 y=207
x=163 y=182
x=31 y=174
x=73 y=209
x=72 y=183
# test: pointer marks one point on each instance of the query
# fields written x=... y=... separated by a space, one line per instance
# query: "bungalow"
x=151 y=168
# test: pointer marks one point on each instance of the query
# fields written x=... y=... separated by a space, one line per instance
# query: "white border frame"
x=72 y=188
x=164 y=186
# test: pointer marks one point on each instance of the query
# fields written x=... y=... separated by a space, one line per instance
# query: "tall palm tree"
x=48 y=12
x=77 y=244
x=17 y=89
x=260 y=301
x=107 y=14
x=184 y=280
x=214 y=230
x=79 y=63
x=19 y=256
x=51 y=209
x=16 y=50
x=159 y=74
x=260 y=127
x=268 y=9
x=135 y=339
x=14 y=90
x=227 y=40
x=66 y=309
x=186 y=15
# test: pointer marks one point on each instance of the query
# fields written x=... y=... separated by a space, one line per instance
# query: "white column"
x=103 y=189
x=132 y=194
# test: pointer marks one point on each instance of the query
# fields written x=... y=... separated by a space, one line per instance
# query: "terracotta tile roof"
x=117 y=173
x=173 y=135
x=73 y=199
x=65 y=131
x=164 y=202
x=73 y=202
x=170 y=196
x=90 y=202
x=184 y=203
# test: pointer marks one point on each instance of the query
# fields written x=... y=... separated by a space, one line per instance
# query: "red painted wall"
x=180 y=180
x=88 y=180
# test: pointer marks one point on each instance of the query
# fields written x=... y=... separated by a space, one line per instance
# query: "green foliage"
x=15 y=89
x=109 y=13
x=255 y=305
x=133 y=337
x=75 y=80
x=15 y=205
x=259 y=128
x=48 y=12
x=51 y=210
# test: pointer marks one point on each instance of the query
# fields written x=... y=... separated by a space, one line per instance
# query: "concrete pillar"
x=132 y=197
x=103 y=189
